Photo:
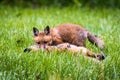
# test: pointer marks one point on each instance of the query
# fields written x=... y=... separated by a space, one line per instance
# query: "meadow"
x=16 y=34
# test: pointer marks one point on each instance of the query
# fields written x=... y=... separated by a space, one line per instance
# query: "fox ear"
x=47 y=30
x=35 y=31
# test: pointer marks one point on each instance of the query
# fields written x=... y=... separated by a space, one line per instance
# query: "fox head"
x=42 y=38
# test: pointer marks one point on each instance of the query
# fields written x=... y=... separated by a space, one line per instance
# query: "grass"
x=16 y=34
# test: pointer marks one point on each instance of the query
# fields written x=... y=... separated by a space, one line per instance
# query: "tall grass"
x=16 y=34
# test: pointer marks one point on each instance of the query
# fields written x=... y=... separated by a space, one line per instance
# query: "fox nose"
x=44 y=46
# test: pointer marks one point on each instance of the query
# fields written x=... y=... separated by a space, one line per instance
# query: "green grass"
x=16 y=34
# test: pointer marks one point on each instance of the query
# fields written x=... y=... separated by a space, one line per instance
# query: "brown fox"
x=66 y=33
x=69 y=47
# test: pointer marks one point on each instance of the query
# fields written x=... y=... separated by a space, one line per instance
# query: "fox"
x=68 y=47
x=66 y=33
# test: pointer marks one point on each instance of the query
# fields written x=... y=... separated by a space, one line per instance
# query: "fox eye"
x=38 y=42
x=45 y=42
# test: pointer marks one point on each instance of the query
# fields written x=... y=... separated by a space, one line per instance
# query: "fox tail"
x=95 y=40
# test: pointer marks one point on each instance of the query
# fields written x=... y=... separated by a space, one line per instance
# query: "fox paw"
x=100 y=56
x=27 y=50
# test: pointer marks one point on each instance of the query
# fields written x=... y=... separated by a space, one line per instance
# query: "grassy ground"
x=16 y=34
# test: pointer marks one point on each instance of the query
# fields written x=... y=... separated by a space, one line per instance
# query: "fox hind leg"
x=97 y=56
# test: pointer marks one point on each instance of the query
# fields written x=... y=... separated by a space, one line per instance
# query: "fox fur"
x=69 y=47
x=66 y=33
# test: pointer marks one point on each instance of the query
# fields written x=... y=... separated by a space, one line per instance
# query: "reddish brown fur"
x=70 y=33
